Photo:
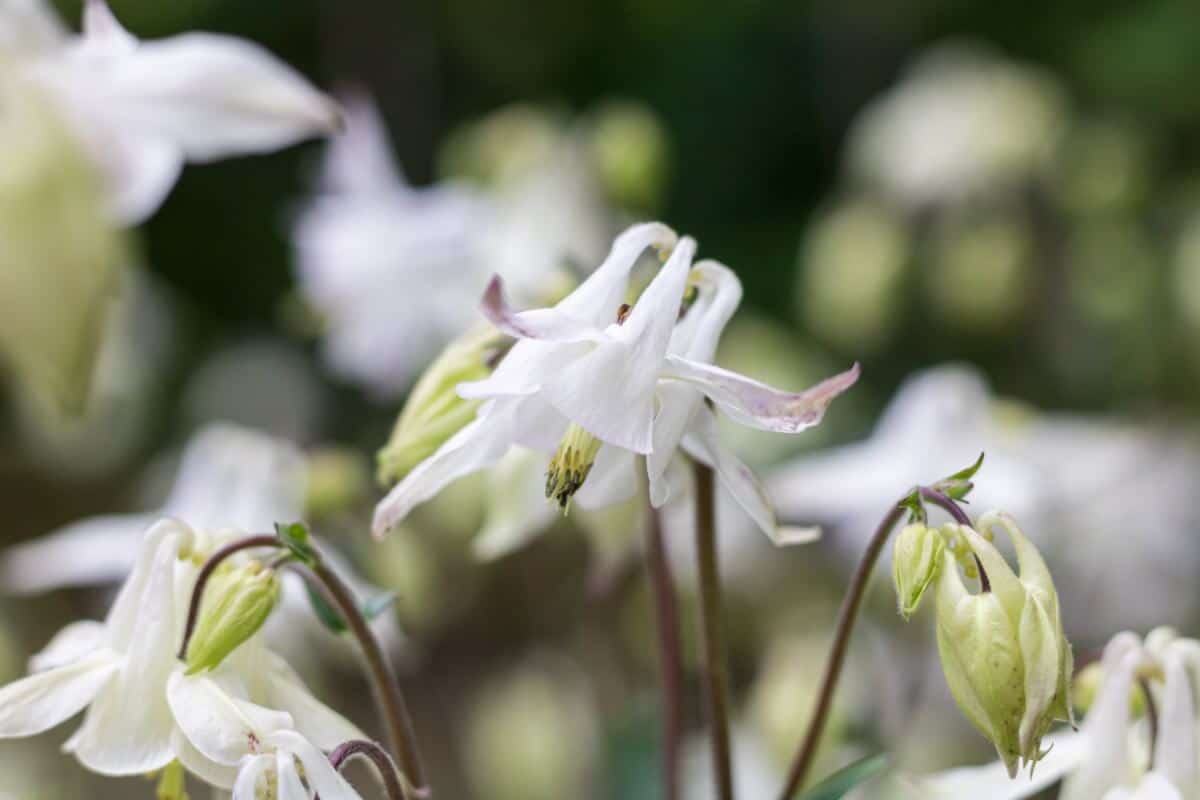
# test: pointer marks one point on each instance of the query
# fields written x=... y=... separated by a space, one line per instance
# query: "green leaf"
x=296 y=538
x=916 y=509
x=959 y=485
x=841 y=782
x=966 y=473
x=371 y=608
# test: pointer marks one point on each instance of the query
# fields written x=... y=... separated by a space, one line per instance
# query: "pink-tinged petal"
x=73 y=643
x=41 y=701
x=598 y=298
x=90 y=552
x=739 y=480
x=757 y=405
x=478 y=445
x=543 y=324
x=359 y=160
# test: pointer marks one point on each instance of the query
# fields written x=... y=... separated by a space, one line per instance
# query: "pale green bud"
x=61 y=253
x=235 y=605
x=1003 y=651
x=434 y=411
x=632 y=152
x=916 y=559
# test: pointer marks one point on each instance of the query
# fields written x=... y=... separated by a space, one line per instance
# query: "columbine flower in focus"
x=394 y=270
x=120 y=671
x=596 y=383
x=141 y=109
x=1115 y=755
x=1003 y=651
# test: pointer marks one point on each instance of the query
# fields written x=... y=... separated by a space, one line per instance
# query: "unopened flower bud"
x=434 y=411
x=916 y=559
x=1003 y=651
x=236 y=603
x=338 y=479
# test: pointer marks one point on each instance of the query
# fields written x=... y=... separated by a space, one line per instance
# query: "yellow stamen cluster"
x=570 y=466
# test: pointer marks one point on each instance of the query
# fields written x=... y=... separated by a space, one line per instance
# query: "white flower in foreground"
x=1110 y=758
x=395 y=270
x=119 y=670
x=597 y=384
x=141 y=109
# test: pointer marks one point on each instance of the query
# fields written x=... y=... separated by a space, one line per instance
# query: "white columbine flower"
x=141 y=109
x=1110 y=757
x=119 y=670
x=395 y=270
x=597 y=384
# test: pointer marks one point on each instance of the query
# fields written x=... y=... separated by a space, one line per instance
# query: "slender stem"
x=206 y=572
x=670 y=659
x=837 y=653
x=384 y=685
x=716 y=688
x=360 y=748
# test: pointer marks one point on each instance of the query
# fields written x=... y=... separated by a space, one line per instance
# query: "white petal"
x=1175 y=747
x=720 y=292
x=39 y=702
x=220 y=725
x=757 y=405
x=139 y=171
x=991 y=782
x=92 y=551
x=127 y=730
x=253 y=771
x=234 y=477
x=1151 y=787
x=545 y=324
x=29 y=26
x=102 y=33
x=702 y=443
x=601 y=294
x=677 y=404
x=321 y=775
x=74 y=642
x=215 y=96
x=289 y=787
x=217 y=775
x=1106 y=727
x=313 y=719
x=613 y=479
x=476 y=446
x=359 y=159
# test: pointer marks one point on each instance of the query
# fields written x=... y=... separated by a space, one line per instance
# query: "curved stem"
x=361 y=748
x=716 y=681
x=1151 y=716
x=206 y=572
x=384 y=684
x=837 y=654
x=670 y=659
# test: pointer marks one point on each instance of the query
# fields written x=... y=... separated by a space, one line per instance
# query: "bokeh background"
x=995 y=209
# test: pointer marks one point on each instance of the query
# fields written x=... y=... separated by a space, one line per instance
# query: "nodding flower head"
x=916 y=560
x=1003 y=651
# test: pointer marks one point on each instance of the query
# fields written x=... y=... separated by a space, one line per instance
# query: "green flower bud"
x=338 y=479
x=236 y=603
x=1003 y=651
x=434 y=411
x=916 y=559
x=632 y=152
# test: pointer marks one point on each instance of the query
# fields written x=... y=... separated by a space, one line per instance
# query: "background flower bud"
x=434 y=411
x=236 y=603
x=916 y=559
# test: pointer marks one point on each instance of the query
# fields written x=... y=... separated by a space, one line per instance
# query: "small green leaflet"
x=959 y=485
x=837 y=785
x=295 y=537
x=916 y=509
x=371 y=608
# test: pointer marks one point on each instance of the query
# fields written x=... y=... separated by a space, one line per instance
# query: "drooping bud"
x=434 y=411
x=1003 y=651
x=236 y=603
x=916 y=559
x=570 y=466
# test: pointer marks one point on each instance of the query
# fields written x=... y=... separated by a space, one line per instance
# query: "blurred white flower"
x=395 y=270
x=961 y=122
x=141 y=109
x=1110 y=758
x=1073 y=478
x=598 y=383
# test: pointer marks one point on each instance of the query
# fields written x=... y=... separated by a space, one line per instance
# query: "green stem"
x=716 y=680
x=384 y=684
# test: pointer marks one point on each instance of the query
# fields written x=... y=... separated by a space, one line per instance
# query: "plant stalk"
x=360 y=748
x=670 y=659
